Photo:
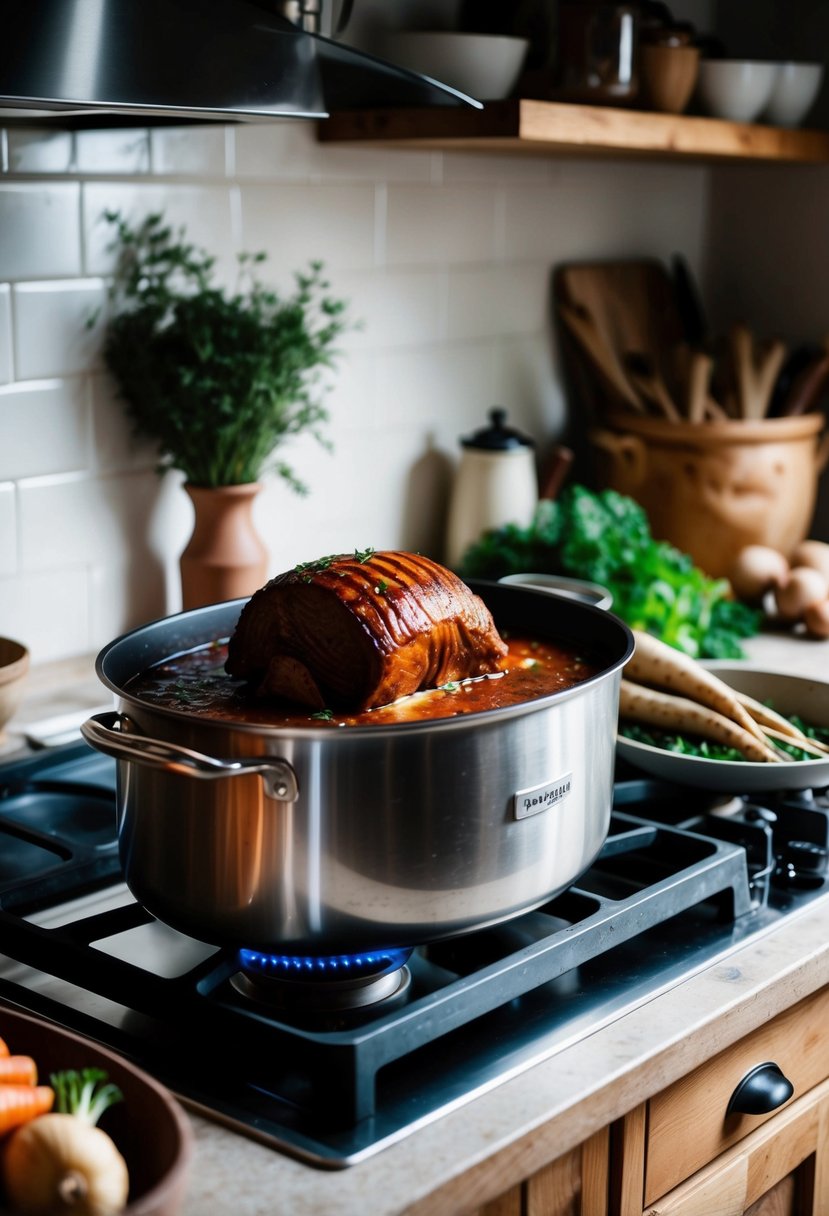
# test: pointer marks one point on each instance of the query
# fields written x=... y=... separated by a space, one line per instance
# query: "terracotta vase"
x=225 y=558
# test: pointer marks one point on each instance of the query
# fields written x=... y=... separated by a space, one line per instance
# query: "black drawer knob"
x=762 y=1090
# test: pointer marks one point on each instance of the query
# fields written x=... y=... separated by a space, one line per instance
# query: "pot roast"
x=361 y=631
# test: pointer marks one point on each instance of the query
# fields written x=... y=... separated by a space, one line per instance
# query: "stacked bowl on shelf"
x=751 y=90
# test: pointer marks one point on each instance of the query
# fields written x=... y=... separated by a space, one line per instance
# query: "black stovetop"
x=683 y=880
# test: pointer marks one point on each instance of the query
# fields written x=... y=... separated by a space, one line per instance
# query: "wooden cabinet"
x=576 y=1184
x=781 y=1169
x=681 y=1154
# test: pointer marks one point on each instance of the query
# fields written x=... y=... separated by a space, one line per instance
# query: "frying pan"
x=802 y=695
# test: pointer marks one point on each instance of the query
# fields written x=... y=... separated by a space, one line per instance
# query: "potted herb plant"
x=219 y=380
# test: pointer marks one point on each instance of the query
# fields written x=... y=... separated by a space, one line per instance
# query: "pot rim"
x=728 y=430
x=606 y=620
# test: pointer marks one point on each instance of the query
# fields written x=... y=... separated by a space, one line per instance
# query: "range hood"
x=106 y=62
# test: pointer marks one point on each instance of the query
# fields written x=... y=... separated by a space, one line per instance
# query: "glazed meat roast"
x=360 y=631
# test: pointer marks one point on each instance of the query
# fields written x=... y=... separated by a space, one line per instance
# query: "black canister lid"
x=498 y=437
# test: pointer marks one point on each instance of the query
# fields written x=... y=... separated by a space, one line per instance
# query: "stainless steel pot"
x=322 y=840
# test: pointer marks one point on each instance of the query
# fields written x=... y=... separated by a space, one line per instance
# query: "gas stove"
x=330 y=1060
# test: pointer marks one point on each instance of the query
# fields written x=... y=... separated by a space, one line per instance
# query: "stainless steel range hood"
x=102 y=62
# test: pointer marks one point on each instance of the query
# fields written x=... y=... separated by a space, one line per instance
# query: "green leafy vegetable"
x=84 y=1094
x=605 y=538
x=694 y=745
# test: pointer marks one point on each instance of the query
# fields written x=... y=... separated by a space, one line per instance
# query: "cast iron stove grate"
x=660 y=902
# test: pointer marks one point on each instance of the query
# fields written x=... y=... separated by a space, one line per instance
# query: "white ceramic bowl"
x=557 y=584
x=794 y=93
x=484 y=66
x=808 y=698
x=735 y=89
x=14 y=664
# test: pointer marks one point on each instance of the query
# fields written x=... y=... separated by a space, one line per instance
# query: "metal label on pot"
x=541 y=797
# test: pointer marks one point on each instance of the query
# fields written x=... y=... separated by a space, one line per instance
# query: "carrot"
x=661 y=666
x=654 y=708
x=18 y=1070
x=4 y=1050
x=20 y=1103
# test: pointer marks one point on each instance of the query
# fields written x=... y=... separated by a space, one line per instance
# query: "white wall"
x=445 y=258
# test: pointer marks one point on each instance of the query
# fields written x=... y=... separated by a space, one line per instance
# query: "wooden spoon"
x=647 y=380
x=582 y=326
x=698 y=383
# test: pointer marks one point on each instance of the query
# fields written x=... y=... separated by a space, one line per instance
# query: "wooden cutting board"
x=634 y=307
x=632 y=302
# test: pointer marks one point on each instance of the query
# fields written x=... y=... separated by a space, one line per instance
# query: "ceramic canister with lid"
x=496 y=483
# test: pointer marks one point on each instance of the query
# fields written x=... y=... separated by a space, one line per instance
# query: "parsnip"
x=669 y=712
x=803 y=742
x=770 y=719
x=660 y=666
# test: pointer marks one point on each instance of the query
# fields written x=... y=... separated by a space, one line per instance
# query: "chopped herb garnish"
x=320 y=563
x=323 y=715
x=450 y=687
x=363 y=555
x=381 y=588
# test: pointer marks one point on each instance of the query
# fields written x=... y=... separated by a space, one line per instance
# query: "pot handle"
x=105 y=732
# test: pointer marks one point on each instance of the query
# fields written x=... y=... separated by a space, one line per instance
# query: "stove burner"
x=323 y=982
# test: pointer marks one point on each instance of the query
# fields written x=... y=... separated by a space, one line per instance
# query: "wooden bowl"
x=148 y=1127
x=14 y=664
x=667 y=76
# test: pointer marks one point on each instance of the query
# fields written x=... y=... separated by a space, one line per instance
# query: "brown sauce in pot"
x=197 y=683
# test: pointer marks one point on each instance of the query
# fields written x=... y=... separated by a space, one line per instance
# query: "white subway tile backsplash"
x=8 y=530
x=126 y=594
x=39 y=230
x=29 y=612
x=189 y=151
x=492 y=300
x=6 y=361
x=439 y=224
x=528 y=385
x=290 y=151
x=75 y=520
x=204 y=210
x=278 y=151
x=296 y=224
x=119 y=150
x=437 y=389
x=52 y=337
x=465 y=167
x=394 y=307
x=39 y=150
x=45 y=428
x=115 y=446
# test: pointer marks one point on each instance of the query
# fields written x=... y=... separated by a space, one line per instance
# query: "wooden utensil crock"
x=711 y=488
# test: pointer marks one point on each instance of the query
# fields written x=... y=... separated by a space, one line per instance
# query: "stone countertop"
x=476 y=1152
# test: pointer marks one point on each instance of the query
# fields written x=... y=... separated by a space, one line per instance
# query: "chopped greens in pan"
x=707 y=749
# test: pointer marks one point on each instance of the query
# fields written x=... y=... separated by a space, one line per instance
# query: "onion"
x=60 y=1164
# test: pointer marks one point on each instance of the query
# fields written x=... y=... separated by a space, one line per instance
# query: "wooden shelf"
x=555 y=128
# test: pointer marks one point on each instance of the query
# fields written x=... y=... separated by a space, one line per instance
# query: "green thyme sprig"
x=219 y=380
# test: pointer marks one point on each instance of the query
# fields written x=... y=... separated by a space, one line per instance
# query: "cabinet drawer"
x=687 y=1125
